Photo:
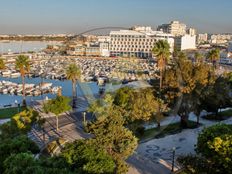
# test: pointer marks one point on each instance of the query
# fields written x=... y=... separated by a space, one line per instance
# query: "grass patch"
x=221 y=115
x=163 y=131
x=10 y=112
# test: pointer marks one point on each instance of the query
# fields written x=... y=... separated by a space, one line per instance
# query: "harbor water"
x=83 y=89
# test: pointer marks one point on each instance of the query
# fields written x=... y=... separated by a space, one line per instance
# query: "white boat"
x=15 y=75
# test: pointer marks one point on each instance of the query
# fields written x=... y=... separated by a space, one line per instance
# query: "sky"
x=76 y=16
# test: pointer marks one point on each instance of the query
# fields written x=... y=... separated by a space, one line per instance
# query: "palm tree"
x=2 y=64
x=73 y=73
x=213 y=56
x=162 y=53
x=22 y=64
x=198 y=57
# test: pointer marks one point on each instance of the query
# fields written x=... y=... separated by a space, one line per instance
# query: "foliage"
x=22 y=63
x=162 y=53
x=8 y=130
x=113 y=137
x=16 y=145
x=25 y=163
x=57 y=106
x=25 y=119
x=2 y=64
x=123 y=97
x=215 y=144
x=73 y=73
x=213 y=56
x=186 y=83
x=87 y=159
x=218 y=96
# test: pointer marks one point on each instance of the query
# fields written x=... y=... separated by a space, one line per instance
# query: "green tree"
x=198 y=57
x=22 y=64
x=111 y=135
x=87 y=159
x=184 y=83
x=57 y=106
x=16 y=145
x=25 y=119
x=218 y=96
x=73 y=73
x=213 y=56
x=215 y=144
x=2 y=64
x=162 y=52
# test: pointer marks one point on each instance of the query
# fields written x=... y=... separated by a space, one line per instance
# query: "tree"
x=87 y=159
x=213 y=56
x=215 y=144
x=162 y=52
x=25 y=163
x=184 y=83
x=111 y=135
x=2 y=64
x=218 y=96
x=19 y=144
x=25 y=119
x=73 y=73
x=57 y=106
x=214 y=151
x=198 y=57
x=22 y=64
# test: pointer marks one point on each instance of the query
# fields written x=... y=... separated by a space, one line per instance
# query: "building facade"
x=230 y=47
x=186 y=42
x=175 y=28
x=202 y=38
x=137 y=42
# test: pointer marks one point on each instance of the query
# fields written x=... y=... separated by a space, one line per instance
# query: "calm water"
x=24 y=46
x=82 y=89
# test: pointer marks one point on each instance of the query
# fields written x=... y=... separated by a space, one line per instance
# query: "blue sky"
x=74 y=16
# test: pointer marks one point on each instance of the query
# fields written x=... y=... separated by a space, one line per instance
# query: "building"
x=230 y=47
x=175 y=28
x=137 y=42
x=202 y=38
x=192 y=31
x=84 y=50
x=185 y=42
x=220 y=38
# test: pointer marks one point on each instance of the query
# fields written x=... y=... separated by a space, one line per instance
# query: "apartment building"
x=186 y=42
x=175 y=28
x=137 y=42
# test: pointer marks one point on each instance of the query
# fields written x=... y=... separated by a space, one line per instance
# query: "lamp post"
x=17 y=104
x=173 y=158
x=84 y=115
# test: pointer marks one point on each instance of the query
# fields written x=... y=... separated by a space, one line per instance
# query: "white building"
x=230 y=47
x=192 y=31
x=202 y=38
x=185 y=42
x=174 y=27
x=137 y=42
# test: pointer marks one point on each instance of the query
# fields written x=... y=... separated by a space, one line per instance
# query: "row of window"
x=132 y=43
x=131 y=46
x=128 y=36
x=124 y=39
x=130 y=50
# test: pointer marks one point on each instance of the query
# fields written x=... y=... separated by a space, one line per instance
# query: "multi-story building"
x=137 y=42
x=192 y=31
x=84 y=50
x=186 y=42
x=220 y=38
x=175 y=28
x=202 y=38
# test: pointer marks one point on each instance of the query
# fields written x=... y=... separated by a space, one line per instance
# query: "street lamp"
x=17 y=104
x=84 y=117
x=173 y=158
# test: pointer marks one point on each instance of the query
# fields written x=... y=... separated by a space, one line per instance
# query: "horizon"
x=31 y=17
